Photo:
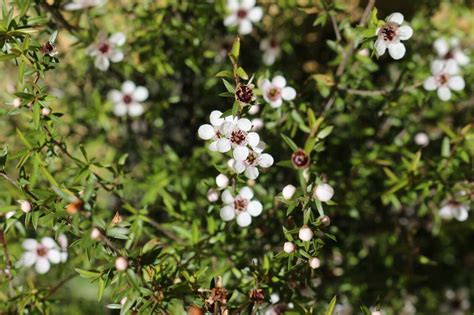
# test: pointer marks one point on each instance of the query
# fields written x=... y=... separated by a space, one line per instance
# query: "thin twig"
x=335 y=27
x=60 y=284
x=7 y=255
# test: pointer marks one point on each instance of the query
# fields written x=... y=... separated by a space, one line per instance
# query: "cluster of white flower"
x=83 y=4
x=241 y=207
x=234 y=134
x=44 y=253
x=454 y=210
x=446 y=69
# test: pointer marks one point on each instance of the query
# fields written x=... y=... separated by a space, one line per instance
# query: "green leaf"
x=87 y=273
x=235 y=51
x=241 y=73
x=325 y=132
x=6 y=57
x=445 y=148
x=228 y=86
x=289 y=142
x=225 y=74
x=331 y=306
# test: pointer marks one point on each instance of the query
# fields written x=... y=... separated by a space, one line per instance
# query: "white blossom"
x=25 y=205
x=444 y=79
x=63 y=245
x=212 y=131
x=314 y=263
x=458 y=302
x=106 y=50
x=243 y=13
x=324 y=192
x=422 y=139
x=390 y=35
x=271 y=50
x=222 y=181
x=236 y=135
x=288 y=191
x=305 y=234
x=40 y=254
x=257 y=124
x=212 y=195
x=83 y=4
x=249 y=165
x=454 y=210
x=241 y=207
x=121 y=264
x=451 y=50
x=276 y=91
x=129 y=99
x=288 y=247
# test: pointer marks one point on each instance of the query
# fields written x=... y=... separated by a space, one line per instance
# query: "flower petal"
x=461 y=214
x=54 y=256
x=255 y=14
x=461 y=58
x=246 y=192
x=444 y=93
x=135 y=109
x=223 y=145
x=120 y=109
x=396 y=50
x=213 y=146
x=395 y=17
x=253 y=139
x=238 y=166
x=244 y=219
x=227 y=197
x=240 y=153
x=140 y=94
x=115 y=96
x=430 y=84
x=276 y=103
x=251 y=172
x=247 y=4
x=128 y=87
x=102 y=63
x=227 y=213
x=48 y=242
x=405 y=32
x=288 y=93
x=456 y=83
x=28 y=259
x=42 y=265
x=29 y=244
x=230 y=20
x=254 y=208
x=380 y=47
x=279 y=81
x=206 y=132
x=118 y=39
x=244 y=124
x=245 y=27
x=266 y=160
x=441 y=47
x=215 y=118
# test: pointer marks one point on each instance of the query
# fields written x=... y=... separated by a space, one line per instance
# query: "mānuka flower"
x=323 y=192
x=121 y=263
x=244 y=93
x=300 y=159
x=257 y=295
x=305 y=233
x=288 y=247
x=314 y=262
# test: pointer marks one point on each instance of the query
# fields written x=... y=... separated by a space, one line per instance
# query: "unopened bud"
x=95 y=234
x=300 y=159
x=314 y=263
x=289 y=247
x=222 y=181
x=45 y=111
x=288 y=191
x=25 y=205
x=121 y=264
x=305 y=234
x=212 y=195
x=325 y=220
x=324 y=192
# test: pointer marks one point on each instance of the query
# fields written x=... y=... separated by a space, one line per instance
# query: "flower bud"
x=45 y=111
x=244 y=94
x=95 y=234
x=195 y=310
x=376 y=313
x=314 y=263
x=288 y=191
x=325 y=220
x=300 y=159
x=123 y=300
x=324 y=192
x=222 y=181
x=305 y=234
x=121 y=264
x=422 y=139
x=289 y=247
x=257 y=295
x=16 y=103
x=25 y=205
x=212 y=195
x=257 y=124
x=253 y=109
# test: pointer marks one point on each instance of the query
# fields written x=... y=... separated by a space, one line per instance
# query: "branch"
x=7 y=255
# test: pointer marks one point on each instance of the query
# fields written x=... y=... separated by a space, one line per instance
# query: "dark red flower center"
x=274 y=94
x=449 y=55
x=104 y=47
x=127 y=99
x=251 y=158
x=238 y=137
x=389 y=32
x=244 y=94
x=273 y=43
x=242 y=13
x=240 y=204
x=442 y=79
x=41 y=251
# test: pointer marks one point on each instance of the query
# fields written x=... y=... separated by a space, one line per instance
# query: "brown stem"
x=7 y=255
x=59 y=285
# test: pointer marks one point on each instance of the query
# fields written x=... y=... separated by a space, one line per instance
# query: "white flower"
x=390 y=35
x=106 y=50
x=83 y=4
x=25 y=205
x=451 y=51
x=241 y=206
x=271 y=50
x=324 y=192
x=121 y=264
x=236 y=136
x=243 y=13
x=128 y=100
x=454 y=210
x=314 y=263
x=211 y=131
x=444 y=79
x=41 y=254
x=63 y=243
x=288 y=247
x=288 y=191
x=458 y=302
x=276 y=91
x=222 y=181
x=305 y=234
x=422 y=139
x=249 y=165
